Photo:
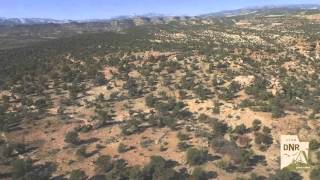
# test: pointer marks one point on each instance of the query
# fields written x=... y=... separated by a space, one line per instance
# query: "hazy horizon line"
x=155 y=14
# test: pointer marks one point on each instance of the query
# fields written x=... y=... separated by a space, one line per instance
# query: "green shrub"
x=285 y=175
x=122 y=148
x=24 y=170
x=314 y=144
x=183 y=146
x=158 y=169
x=240 y=129
x=199 y=174
x=266 y=130
x=264 y=140
x=219 y=128
x=245 y=157
x=151 y=100
x=196 y=156
x=315 y=174
x=104 y=163
x=82 y=151
x=182 y=137
x=223 y=165
x=72 y=137
x=256 y=125
x=20 y=168
x=77 y=175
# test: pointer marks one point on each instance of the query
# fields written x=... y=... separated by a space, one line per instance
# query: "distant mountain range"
x=155 y=17
x=251 y=10
x=18 y=32
x=30 y=21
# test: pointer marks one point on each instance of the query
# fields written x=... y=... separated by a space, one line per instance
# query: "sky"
x=103 y=9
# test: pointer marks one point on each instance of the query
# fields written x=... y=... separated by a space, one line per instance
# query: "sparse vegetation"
x=170 y=99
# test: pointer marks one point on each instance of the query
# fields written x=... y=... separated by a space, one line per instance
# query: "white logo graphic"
x=294 y=154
